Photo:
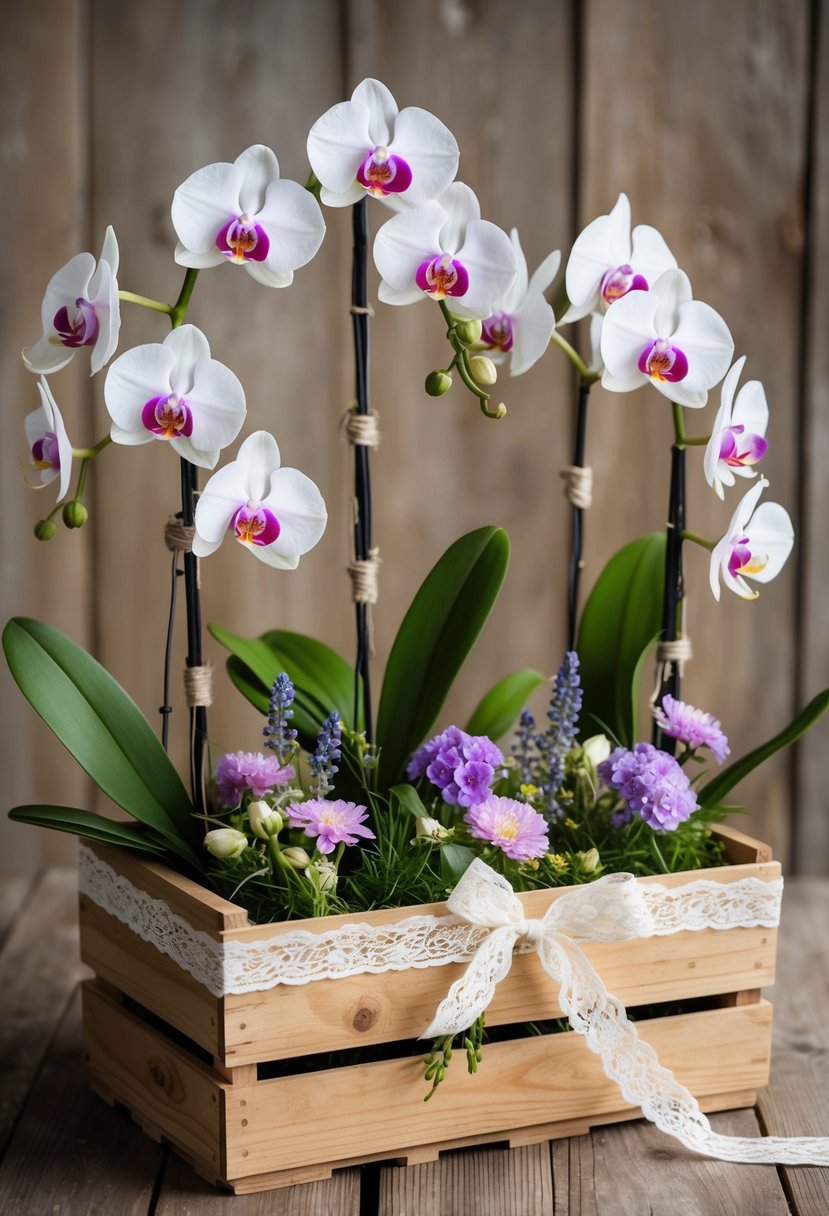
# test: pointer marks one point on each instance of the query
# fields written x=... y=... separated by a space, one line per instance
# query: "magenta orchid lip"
x=254 y=524
x=617 y=283
x=383 y=173
x=46 y=452
x=442 y=275
x=497 y=332
x=168 y=417
x=662 y=361
x=243 y=240
x=82 y=330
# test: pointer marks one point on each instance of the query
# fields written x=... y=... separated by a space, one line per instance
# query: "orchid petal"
x=429 y=148
x=671 y=290
x=534 y=322
x=347 y=197
x=205 y=459
x=771 y=533
x=596 y=325
x=389 y=295
x=338 y=143
x=405 y=241
x=714 y=475
x=490 y=261
x=218 y=502
x=217 y=401
x=109 y=251
x=601 y=246
x=300 y=509
x=623 y=383
x=292 y=218
x=627 y=330
x=751 y=408
x=189 y=347
x=650 y=255
x=382 y=109
x=257 y=459
x=204 y=203
x=693 y=399
x=198 y=261
x=543 y=277
x=511 y=301
x=268 y=555
x=69 y=283
x=108 y=312
x=130 y=439
x=134 y=379
x=259 y=167
x=267 y=277
x=462 y=208
x=45 y=357
x=49 y=418
x=707 y=343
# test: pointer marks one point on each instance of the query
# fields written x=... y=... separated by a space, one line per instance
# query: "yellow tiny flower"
x=558 y=861
x=528 y=791
x=570 y=823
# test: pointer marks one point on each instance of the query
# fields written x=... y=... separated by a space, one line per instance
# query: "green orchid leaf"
x=248 y=684
x=436 y=635
x=620 y=621
x=89 y=826
x=715 y=790
x=455 y=860
x=102 y=727
x=497 y=711
x=409 y=799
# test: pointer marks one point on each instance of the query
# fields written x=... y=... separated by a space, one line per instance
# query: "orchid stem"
x=695 y=441
x=362 y=469
x=129 y=297
x=674 y=589
x=575 y=358
x=710 y=545
x=91 y=453
x=577 y=522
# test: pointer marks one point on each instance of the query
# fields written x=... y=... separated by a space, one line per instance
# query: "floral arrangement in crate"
x=338 y=809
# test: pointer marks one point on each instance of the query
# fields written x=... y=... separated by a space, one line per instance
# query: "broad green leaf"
x=89 y=826
x=307 y=717
x=248 y=684
x=497 y=711
x=455 y=860
x=102 y=727
x=713 y=793
x=621 y=619
x=409 y=799
x=436 y=635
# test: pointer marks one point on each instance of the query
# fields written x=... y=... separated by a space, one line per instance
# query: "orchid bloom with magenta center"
x=738 y=439
x=175 y=392
x=755 y=546
x=368 y=146
x=444 y=250
x=277 y=514
x=608 y=260
x=80 y=308
x=664 y=337
x=522 y=321
x=246 y=215
x=50 y=452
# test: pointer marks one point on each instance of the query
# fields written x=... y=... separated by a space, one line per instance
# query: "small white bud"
x=596 y=749
x=324 y=874
x=295 y=857
x=588 y=862
x=225 y=842
x=264 y=820
x=429 y=829
x=483 y=369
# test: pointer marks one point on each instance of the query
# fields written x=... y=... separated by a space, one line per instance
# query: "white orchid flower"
x=368 y=146
x=174 y=391
x=607 y=261
x=49 y=447
x=444 y=250
x=738 y=436
x=247 y=215
x=663 y=336
x=277 y=513
x=522 y=321
x=80 y=308
x=756 y=545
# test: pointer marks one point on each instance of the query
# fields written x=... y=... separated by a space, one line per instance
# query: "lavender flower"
x=524 y=748
x=279 y=735
x=515 y=828
x=237 y=772
x=332 y=823
x=328 y=750
x=558 y=739
x=462 y=766
x=652 y=784
x=692 y=726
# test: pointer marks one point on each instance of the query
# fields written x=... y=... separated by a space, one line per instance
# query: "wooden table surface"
x=67 y=1154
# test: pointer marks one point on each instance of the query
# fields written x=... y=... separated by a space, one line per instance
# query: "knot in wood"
x=364 y=1019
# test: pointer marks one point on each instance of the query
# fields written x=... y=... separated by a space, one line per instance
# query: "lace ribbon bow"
x=613 y=908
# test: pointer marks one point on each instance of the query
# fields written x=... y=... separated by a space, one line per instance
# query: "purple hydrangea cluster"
x=462 y=766
x=237 y=772
x=653 y=785
x=692 y=726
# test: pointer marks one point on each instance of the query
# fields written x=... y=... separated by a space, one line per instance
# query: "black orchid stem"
x=577 y=522
x=672 y=602
x=198 y=713
x=362 y=472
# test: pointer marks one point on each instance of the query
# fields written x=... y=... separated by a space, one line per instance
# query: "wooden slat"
x=39 y=967
x=722 y=179
x=14 y=892
x=70 y=1153
x=635 y=1169
x=185 y=1194
x=795 y=1104
x=488 y=1183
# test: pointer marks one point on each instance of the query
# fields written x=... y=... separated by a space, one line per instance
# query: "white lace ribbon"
x=613 y=908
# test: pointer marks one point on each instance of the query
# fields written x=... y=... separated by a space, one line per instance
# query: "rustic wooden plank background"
x=712 y=117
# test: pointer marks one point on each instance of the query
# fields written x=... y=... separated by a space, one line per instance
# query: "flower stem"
x=129 y=297
x=362 y=469
x=674 y=590
x=179 y=309
x=575 y=358
x=91 y=453
x=461 y=362
x=710 y=545
x=577 y=522
x=695 y=441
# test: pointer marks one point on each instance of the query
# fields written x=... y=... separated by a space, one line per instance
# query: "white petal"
x=267 y=277
x=705 y=339
x=745 y=509
x=345 y=199
x=108 y=312
x=218 y=502
x=338 y=143
x=671 y=291
x=623 y=384
x=203 y=548
x=405 y=241
x=134 y=379
x=257 y=460
x=189 y=347
x=269 y=555
x=719 y=556
x=603 y=245
x=49 y=418
x=298 y=505
x=711 y=460
x=462 y=208
x=650 y=255
x=217 y=400
x=690 y=398
x=46 y=356
x=293 y=221
x=130 y=438
x=109 y=251
x=532 y=326
x=204 y=203
x=596 y=363
x=259 y=168
x=542 y=278
x=198 y=261
x=184 y=447
x=388 y=295
x=490 y=260
x=382 y=110
x=69 y=283
x=627 y=331
x=771 y=535
x=751 y=408
x=429 y=148
x=512 y=300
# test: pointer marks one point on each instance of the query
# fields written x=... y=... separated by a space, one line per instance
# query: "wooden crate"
x=200 y=1070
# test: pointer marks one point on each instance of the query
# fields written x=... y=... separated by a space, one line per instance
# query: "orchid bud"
x=483 y=369
x=469 y=332
x=588 y=862
x=596 y=749
x=75 y=514
x=438 y=383
x=501 y=411
x=225 y=842
x=45 y=529
x=264 y=820
x=324 y=875
x=295 y=857
x=429 y=829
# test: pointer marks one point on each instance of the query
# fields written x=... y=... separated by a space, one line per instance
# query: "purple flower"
x=652 y=784
x=240 y=771
x=515 y=828
x=560 y=735
x=462 y=766
x=332 y=823
x=691 y=726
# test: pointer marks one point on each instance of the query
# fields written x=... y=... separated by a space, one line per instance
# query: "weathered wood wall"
x=712 y=117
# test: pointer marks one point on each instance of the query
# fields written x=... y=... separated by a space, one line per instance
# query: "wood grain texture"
x=483 y=1182
x=183 y=1193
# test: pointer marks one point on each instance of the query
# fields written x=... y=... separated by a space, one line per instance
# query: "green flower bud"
x=438 y=383
x=501 y=411
x=589 y=861
x=429 y=830
x=295 y=857
x=264 y=820
x=324 y=875
x=469 y=332
x=225 y=842
x=75 y=514
x=482 y=369
x=45 y=529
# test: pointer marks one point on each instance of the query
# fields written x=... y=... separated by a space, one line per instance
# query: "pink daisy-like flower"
x=240 y=771
x=692 y=726
x=516 y=829
x=332 y=823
